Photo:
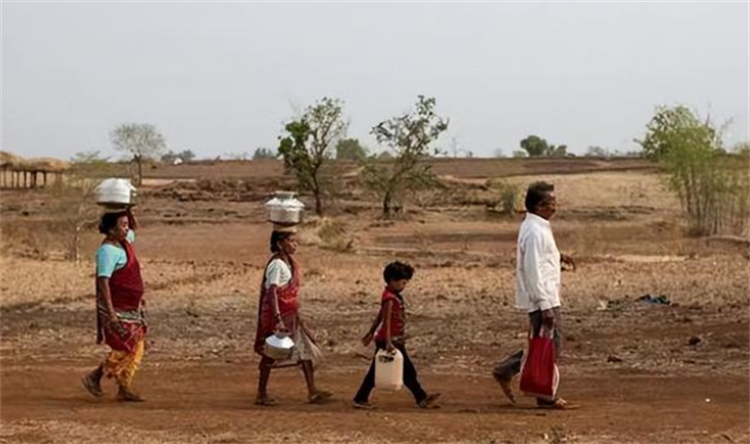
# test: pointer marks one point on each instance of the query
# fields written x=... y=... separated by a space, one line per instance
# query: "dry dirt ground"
x=640 y=372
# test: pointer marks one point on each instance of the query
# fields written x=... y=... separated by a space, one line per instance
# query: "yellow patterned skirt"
x=122 y=365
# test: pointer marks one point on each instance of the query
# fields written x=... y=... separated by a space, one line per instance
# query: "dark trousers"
x=410 y=376
x=511 y=366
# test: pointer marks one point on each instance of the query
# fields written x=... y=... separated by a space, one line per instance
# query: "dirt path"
x=212 y=403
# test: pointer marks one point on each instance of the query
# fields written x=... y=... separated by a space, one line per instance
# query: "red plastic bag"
x=540 y=376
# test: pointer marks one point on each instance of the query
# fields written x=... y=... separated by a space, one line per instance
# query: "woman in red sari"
x=119 y=306
x=278 y=310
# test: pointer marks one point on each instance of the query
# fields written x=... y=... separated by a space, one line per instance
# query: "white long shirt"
x=537 y=266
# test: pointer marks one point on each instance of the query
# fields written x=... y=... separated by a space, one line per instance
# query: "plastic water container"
x=115 y=192
x=389 y=370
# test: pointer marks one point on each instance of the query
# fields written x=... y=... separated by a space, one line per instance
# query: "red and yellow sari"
x=127 y=339
x=304 y=348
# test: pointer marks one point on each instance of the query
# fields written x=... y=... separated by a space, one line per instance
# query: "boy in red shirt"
x=391 y=335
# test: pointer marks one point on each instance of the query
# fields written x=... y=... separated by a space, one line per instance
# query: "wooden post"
x=33 y=179
x=44 y=176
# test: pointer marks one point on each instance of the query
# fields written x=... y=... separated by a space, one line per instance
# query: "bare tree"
x=74 y=203
x=409 y=136
x=142 y=140
x=309 y=142
x=711 y=185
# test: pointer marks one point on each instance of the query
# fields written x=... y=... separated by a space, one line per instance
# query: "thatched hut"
x=18 y=172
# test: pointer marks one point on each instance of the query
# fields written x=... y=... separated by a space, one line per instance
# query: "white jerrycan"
x=389 y=370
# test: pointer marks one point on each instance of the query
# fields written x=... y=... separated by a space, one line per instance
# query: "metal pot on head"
x=284 y=209
x=115 y=194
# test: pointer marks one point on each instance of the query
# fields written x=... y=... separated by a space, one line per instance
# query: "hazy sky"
x=221 y=78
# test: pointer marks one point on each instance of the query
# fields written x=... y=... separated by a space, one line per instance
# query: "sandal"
x=505 y=386
x=92 y=387
x=429 y=402
x=125 y=395
x=557 y=404
x=319 y=397
x=362 y=405
x=265 y=402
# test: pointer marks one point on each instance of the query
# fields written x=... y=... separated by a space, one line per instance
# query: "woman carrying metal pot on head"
x=278 y=314
x=119 y=306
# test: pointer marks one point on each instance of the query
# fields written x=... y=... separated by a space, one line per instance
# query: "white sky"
x=221 y=78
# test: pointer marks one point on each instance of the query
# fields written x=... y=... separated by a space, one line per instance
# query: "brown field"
x=203 y=243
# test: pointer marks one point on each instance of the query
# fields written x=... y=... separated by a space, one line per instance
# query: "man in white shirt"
x=538 y=268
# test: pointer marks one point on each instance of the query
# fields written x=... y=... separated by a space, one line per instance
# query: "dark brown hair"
x=109 y=221
x=395 y=271
x=276 y=238
x=536 y=194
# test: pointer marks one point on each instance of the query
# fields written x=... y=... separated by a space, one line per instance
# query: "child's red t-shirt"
x=397 y=316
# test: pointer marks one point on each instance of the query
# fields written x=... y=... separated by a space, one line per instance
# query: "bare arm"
x=102 y=285
x=132 y=221
x=367 y=338
x=376 y=322
x=279 y=323
x=388 y=309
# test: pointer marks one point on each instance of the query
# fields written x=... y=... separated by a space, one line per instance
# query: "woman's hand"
x=113 y=319
x=114 y=324
x=132 y=221
x=280 y=326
